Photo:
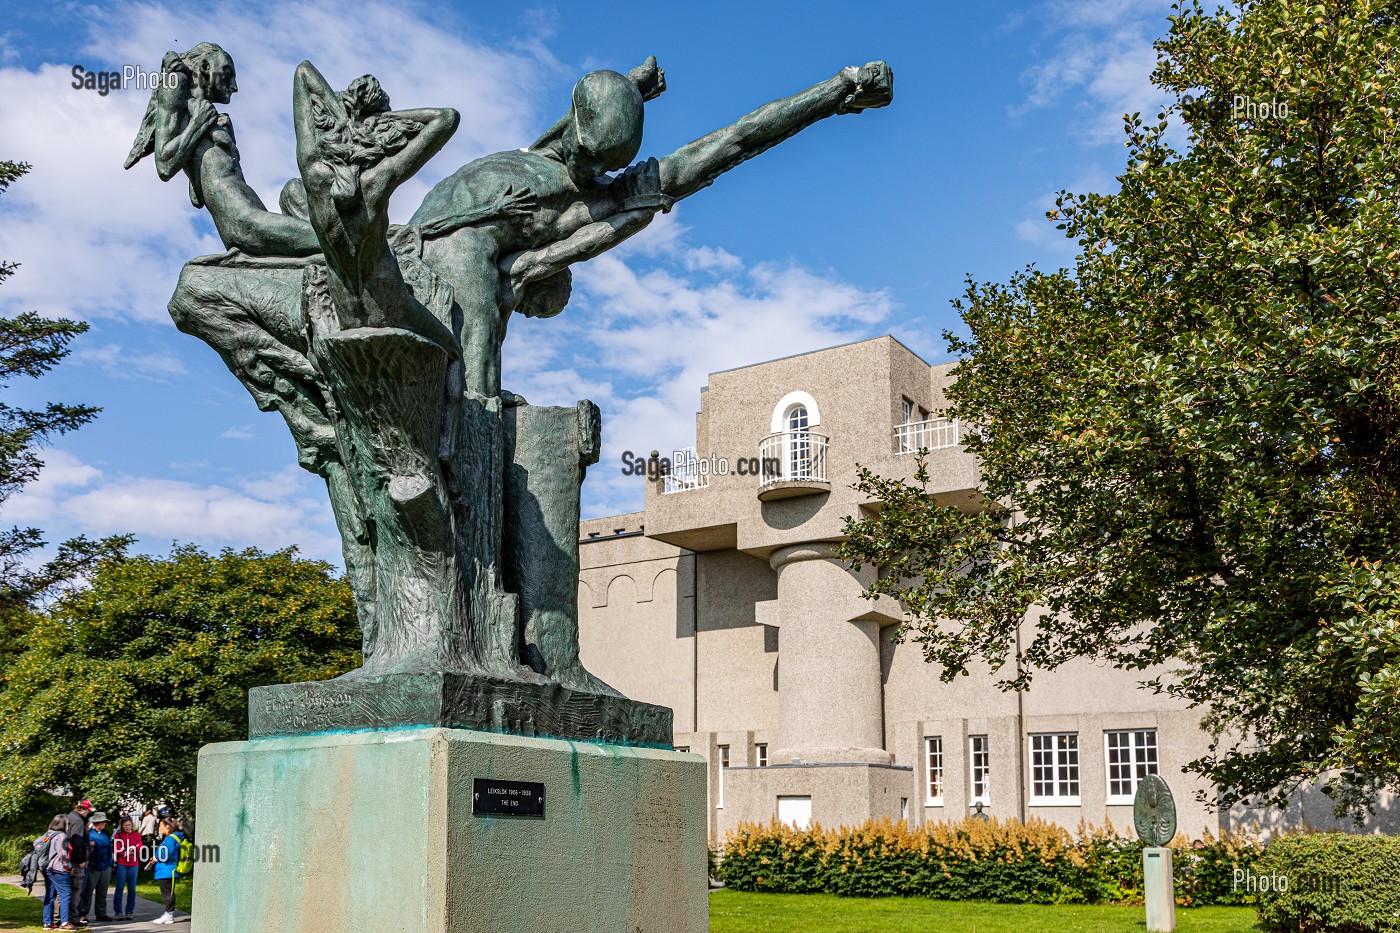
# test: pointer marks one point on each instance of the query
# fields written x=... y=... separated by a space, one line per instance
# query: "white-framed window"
x=906 y=418
x=1055 y=769
x=682 y=748
x=799 y=443
x=1131 y=755
x=979 y=761
x=933 y=771
x=723 y=766
x=760 y=751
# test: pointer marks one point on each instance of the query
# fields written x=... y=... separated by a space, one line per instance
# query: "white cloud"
x=113 y=360
x=39 y=500
x=95 y=241
x=288 y=507
x=242 y=432
x=1099 y=54
x=644 y=332
x=1103 y=51
x=1042 y=233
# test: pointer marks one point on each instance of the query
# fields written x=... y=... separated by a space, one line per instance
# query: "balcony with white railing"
x=932 y=434
x=684 y=482
x=792 y=463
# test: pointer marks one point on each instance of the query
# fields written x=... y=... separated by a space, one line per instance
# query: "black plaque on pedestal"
x=491 y=797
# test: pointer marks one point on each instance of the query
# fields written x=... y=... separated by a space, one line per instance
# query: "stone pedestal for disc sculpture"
x=471 y=775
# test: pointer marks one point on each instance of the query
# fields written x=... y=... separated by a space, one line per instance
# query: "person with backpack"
x=77 y=847
x=167 y=856
x=126 y=849
x=51 y=851
x=99 y=867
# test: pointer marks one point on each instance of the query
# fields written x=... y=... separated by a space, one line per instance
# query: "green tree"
x=1189 y=441
x=123 y=680
x=30 y=346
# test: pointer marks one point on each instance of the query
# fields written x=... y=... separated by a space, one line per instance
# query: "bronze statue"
x=380 y=345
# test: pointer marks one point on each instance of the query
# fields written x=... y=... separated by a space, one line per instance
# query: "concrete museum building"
x=722 y=601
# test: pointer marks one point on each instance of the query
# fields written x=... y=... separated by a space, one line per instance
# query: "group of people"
x=79 y=860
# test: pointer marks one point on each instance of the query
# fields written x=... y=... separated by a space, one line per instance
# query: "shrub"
x=1207 y=876
x=1334 y=882
x=996 y=860
x=776 y=858
x=12 y=849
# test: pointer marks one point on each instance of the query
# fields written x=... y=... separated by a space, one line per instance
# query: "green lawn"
x=19 y=911
x=736 y=912
x=150 y=892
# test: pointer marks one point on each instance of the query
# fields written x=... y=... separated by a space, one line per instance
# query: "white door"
x=795 y=811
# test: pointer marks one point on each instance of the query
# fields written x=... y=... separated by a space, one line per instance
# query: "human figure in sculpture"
x=184 y=131
x=353 y=153
x=575 y=205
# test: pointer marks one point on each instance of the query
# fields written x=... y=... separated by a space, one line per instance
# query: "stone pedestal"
x=376 y=832
x=1158 y=890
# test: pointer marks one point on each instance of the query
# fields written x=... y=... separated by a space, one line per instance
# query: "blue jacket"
x=99 y=851
x=167 y=855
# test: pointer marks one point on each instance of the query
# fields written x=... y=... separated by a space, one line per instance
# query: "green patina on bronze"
x=1154 y=811
x=380 y=346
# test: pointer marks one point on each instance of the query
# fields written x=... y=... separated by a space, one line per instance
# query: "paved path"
x=146 y=911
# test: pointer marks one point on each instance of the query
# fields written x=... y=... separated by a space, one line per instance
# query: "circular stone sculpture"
x=1154 y=811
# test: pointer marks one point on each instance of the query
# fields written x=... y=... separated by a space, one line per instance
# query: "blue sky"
x=861 y=226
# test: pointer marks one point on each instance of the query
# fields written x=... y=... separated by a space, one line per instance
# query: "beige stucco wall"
x=842 y=794
x=737 y=684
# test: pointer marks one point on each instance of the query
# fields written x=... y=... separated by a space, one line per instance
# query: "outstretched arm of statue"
x=535 y=265
x=649 y=79
x=697 y=164
x=174 y=143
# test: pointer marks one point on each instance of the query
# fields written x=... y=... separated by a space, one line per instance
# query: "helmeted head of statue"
x=607 y=125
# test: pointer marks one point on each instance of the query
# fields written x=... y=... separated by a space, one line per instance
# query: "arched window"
x=795 y=450
x=799 y=443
